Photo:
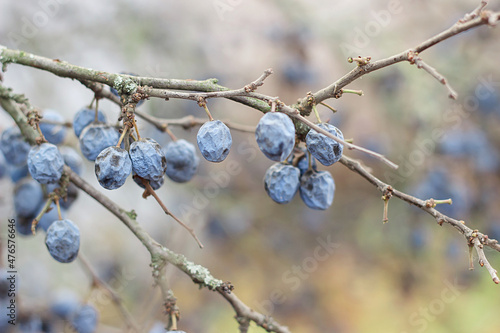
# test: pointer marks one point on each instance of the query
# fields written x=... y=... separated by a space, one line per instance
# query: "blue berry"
x=214 y=140
x=148 y=160
x=182 y=161
x=282 y=182
x=63 y=240
x=326 y=150
x=72 y=159
x=4 y=170
x=85 y=117
x=32 y=324
x=155 y=184
x=97 y=137
x=28 y=197
x=85 y=319
x=275 y=134
x=317 y=189
x=45 y=163
x=13 y=146
x=54 y=133
x=18 y=172
x=65 y=304
x=112 y=167
x=23 y=225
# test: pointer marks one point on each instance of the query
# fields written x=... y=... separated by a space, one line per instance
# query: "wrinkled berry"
x=214 y=140
x=155 y=184
x=112 y=167
x=282 y=182
x=85 y=117
x=13 y=146
x=317 y=189
x=28 y=196
x=182 y=161
x=54 y=133
x=97 y=137
x=148 y=160
x=63 y=240
x=275 y=134
x=326 y=150
x=45 y=163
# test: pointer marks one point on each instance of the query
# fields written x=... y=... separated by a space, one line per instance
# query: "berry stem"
x=37 y=219
x=316 y=113
x=349 y=91
x=385 y=217
x=328 y=106
x=273 y=106
x=124 y=132
x=165 y=209
x=207 y=111
x=136 y=129
x=96 y=119
x=56 y=200
x=169 y=132
x=173 y=317
x=92 y=103
x=447 y=201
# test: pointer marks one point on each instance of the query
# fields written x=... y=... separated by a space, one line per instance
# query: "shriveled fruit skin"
x=112 y=167
x=317 y=189
x=282 y=182
x=275 y=135
x=214 y=141
x=326 y=150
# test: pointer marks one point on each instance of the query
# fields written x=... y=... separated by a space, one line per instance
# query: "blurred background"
x=408 y=275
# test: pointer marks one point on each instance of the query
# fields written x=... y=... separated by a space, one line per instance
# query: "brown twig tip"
x=483 y=261
x=475 y=13
x=434 y=73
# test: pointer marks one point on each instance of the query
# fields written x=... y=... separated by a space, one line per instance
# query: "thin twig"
x=188 y=122
x=168 y=212
x=115 y=298
x=483 y=261
x=486 y=18
x=432 y=71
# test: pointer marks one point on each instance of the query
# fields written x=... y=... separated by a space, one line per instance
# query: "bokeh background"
x=409 y=275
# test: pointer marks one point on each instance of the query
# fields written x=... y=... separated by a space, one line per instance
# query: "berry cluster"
x=275 y=136
x=36 y=172
x=43 y=193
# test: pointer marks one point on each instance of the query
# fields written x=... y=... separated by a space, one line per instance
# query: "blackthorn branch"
x=132 y=89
